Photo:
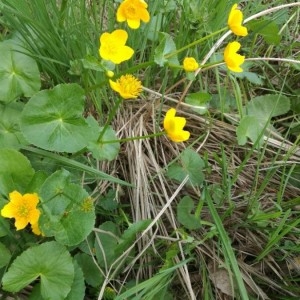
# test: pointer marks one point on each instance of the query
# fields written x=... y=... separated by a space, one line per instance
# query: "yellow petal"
x=114 y=85
x=180 y=136
x=36 y=229
x=15 y=197
x=34 y=216
x=31 y=199
x=120 y=35
x=134 y=24
x=145 y=16
x=121 y=17
x=179 y=123
x=168 y=120
x=123 y=54
x=240 y=30
x=8 y=211
x=21 y=223
x=104 y=37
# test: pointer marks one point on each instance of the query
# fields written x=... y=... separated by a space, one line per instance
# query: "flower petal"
x=114 y=85
x=134 y=24
x=120 y=35
x=8 y=211
x=21 y=223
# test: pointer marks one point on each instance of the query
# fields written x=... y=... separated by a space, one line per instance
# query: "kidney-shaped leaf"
x=19 y=73
x=184 y=214
x=15 y=171
x=49 y=261
x=104 y=149
x=68 y=211
x=10 y=135
x=52 y=119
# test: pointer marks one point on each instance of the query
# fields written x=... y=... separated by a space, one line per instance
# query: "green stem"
x=110 y=118
x=196 y=42
x=133 y=138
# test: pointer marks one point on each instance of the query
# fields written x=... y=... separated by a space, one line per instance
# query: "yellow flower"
x=22 y=208
x=232 y=59
x=112 y=46
x=190 y=64
x=127 y=86
x=133 y=11
x=174 y=127
x=235 y=20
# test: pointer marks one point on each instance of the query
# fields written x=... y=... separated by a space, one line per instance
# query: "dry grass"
x=154 y=196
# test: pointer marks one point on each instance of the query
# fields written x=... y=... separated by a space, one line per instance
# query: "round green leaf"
x=101 y=149
x=191 y=165
x=184 y=214
x=19 y=73
x=52 y=119
x=49 y=261
x=10 y=134
x=15 y=171
x=68 y=210
x=78 y=287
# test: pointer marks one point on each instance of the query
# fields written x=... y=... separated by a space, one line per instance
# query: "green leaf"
x=68 y=211
x=250 y=76
x=4 y=226
x=15 y=171
x=191 y=165
x=165 y=47
x=19 y=73
x=199 y=100
x=5 y=256
x=52 y=119
x=129 y=235
x=92 y=274
x=249 y=127
x=184 y=214
x=268 y=29
x=10 y=134
x=92 y=63
x=109 y=200
x=102 y=150
x=259 y=112
x=295 y=102
x=106 y=243
x=268 y=106
x=154 y=27
x=36 y=182
x=49 y=261
x=78 y=287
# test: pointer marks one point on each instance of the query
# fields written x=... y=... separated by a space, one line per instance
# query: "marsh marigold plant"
x=133 y=11
x=113 y=48
x=127 y=86
x=232 y=59
x=190 y=64
x=235 y=20
x=23 y=208
x=174 y=127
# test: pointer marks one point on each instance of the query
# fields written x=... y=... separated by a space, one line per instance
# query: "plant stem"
x=195 y=42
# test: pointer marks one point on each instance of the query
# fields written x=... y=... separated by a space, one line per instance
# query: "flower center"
x=130 y=85
x=23 y=211
x=130 y=12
